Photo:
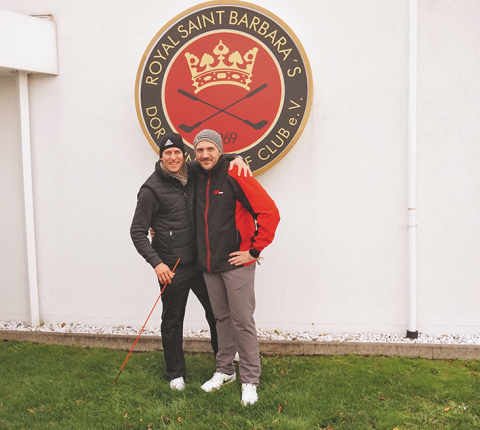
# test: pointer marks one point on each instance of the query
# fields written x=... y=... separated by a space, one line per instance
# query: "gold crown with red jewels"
x=237 y=70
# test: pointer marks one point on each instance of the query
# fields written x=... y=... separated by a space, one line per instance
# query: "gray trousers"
x=232 y=295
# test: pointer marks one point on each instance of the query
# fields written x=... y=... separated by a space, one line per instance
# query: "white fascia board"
x=28 y=43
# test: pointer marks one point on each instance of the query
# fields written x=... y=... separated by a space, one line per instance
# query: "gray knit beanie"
x=210 y=136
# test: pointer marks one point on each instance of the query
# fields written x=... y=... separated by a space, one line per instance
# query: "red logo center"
x=225 y=81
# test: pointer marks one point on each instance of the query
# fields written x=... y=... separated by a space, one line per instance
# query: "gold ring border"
x=247 y=5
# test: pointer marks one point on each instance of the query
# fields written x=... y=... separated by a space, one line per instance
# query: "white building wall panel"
x=339 y=261
x=14 y=293
x=448 y=167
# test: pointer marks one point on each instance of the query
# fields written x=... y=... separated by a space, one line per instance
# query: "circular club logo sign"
x=231 y=67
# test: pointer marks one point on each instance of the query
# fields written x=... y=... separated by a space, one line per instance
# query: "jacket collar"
x=221 y=161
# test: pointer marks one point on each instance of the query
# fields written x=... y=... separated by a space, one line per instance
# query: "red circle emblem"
x=227 y=82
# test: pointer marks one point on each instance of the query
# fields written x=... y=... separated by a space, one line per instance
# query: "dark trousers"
x=174 y=300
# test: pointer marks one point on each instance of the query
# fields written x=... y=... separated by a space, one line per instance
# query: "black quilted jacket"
x=167 y=206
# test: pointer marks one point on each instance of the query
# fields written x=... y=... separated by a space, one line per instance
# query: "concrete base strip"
x=268 y=347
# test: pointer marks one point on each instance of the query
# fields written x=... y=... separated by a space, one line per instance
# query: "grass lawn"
x=59 y=387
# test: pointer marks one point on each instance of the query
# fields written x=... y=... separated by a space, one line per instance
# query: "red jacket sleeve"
x=255 y=199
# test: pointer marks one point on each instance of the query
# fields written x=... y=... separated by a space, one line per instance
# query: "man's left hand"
x=242 y=167
x=240 y=257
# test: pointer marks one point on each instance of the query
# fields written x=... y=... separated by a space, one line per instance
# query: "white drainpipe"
x=412 y=331
x=22 y=88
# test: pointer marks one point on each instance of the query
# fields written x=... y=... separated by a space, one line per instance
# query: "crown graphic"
x=234 y=70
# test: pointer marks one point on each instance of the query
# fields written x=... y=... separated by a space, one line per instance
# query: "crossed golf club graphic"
x=256 y=125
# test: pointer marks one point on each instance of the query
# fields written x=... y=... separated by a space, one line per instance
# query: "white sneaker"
x=237 y=357
x=177 y=384
x=249 y=394
x=217 y=381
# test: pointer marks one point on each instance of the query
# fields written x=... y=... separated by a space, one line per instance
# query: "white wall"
x=448 y=166
x=339 y=262
x=14 y=293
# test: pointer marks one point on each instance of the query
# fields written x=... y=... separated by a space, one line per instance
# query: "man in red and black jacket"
x=236 y=220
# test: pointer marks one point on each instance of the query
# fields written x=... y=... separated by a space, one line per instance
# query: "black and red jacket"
x=234 y=213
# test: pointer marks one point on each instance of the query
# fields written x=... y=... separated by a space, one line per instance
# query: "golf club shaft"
x=256 y=126
x=246 y=121
x=195 y=98
x=161 y=292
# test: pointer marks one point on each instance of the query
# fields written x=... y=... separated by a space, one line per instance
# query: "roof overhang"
x=28 y=44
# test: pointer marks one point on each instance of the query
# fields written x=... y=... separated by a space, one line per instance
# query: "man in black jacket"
x=166 y=202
